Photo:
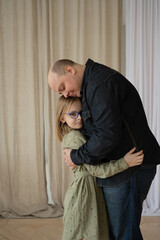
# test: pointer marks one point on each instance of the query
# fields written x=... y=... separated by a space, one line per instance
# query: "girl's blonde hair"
x=63 y=105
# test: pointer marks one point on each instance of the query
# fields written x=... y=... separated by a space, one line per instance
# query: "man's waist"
x=119 y=178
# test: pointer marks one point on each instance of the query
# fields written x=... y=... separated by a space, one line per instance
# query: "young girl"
x=85 y=214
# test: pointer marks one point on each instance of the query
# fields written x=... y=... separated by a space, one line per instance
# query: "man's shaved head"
x=59 y=66
x=65 y=77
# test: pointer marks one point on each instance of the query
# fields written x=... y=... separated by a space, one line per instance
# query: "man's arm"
x=105 y=113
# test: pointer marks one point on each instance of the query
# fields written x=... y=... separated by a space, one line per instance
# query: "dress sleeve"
x=73 y=140
x=107 y=169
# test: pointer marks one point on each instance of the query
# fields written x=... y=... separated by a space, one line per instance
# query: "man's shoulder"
x=98 y=72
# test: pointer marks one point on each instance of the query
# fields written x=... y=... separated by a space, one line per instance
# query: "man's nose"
x=65 y=94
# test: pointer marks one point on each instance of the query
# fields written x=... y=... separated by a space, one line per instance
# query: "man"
x=114 y=122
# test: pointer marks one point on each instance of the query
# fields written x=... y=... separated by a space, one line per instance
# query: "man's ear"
x=69 y=69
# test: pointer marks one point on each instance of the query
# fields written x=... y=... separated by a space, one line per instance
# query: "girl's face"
x=71 y=117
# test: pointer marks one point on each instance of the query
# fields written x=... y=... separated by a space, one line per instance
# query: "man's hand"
x=67 y=158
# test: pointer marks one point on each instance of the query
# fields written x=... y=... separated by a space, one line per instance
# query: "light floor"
x=51 y=229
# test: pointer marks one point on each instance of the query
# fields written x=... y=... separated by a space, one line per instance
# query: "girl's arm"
x=115 y=166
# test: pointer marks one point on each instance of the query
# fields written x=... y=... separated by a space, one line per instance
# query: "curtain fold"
x=143 y=70
x=33 y=34
x=22 y=162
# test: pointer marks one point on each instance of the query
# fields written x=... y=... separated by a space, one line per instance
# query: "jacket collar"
x=89 y=66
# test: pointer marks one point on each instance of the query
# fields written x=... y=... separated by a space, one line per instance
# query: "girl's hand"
x=134 y=159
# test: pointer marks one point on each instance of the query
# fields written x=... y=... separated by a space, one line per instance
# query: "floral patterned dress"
x=85 y=215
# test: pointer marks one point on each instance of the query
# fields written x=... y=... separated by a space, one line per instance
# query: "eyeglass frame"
x=77 y=114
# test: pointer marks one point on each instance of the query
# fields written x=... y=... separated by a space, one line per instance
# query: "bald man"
x=114 y=121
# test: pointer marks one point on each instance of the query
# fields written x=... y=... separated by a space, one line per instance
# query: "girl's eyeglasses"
x=74 y=114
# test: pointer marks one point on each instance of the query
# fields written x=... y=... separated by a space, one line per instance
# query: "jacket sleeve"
x=107 y=169
x=104 y=110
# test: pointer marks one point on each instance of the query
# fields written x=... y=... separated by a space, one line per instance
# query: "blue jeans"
x=124 y=205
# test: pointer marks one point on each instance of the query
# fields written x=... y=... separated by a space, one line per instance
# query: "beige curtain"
x=33 y=34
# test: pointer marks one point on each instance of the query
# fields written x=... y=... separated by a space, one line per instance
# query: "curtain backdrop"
x=143 y=70
x=33 y=34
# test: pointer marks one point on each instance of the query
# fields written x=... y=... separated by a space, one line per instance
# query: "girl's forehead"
x=73 y=104
x=69 y=106
x=76 y=104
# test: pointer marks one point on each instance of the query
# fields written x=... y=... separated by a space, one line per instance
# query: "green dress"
x=85 y=214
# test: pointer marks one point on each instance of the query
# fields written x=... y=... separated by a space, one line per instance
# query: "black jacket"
x=114 y=120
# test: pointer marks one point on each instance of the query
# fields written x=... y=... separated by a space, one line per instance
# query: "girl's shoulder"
x=73 y=139
x=74 y=133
